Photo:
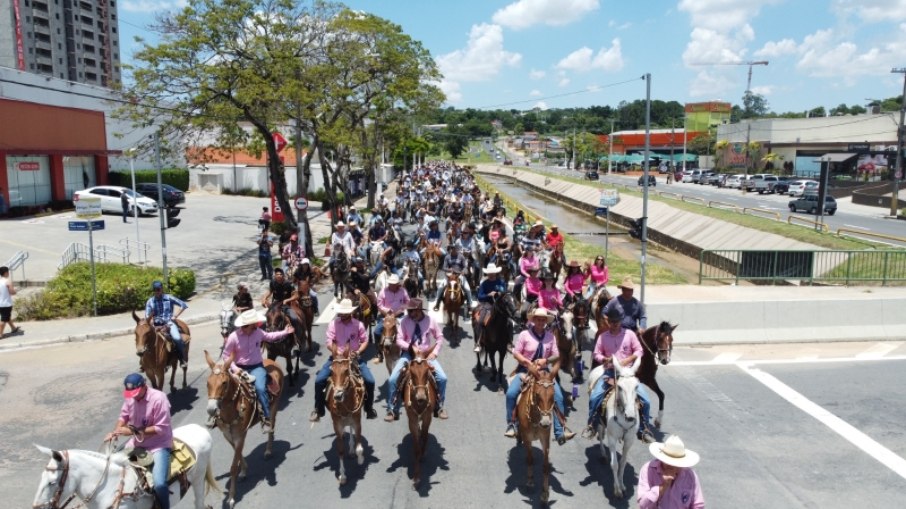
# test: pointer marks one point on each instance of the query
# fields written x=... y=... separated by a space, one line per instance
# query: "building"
x=662 y=142
x=74 y=40
x=707 y=116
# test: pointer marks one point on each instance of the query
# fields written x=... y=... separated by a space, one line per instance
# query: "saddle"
x=164 y=332
x=404 y=378
x=182 y=458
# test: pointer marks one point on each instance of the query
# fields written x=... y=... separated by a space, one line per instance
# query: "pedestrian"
x=265 y=259
x=7 y=290
x=2 y=203
x=668 y=480
x=265 y=220
x=124 y=200
x=670 y=177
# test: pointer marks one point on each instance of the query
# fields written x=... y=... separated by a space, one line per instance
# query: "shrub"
x=245 y=192
x=178 y=178
x=120 y=288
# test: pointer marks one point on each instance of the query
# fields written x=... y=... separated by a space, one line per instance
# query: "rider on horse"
x=598 y=275
x=621 y=345
x=160 y=306
x=556 y=242
x=392 y=300
x=454 y=263
x=280 y=293
x=634 y=316
x=536 y=349
x=549 y=297
x=489 y=290
x=418 y=335
x=145 y=416
x=344 y=334
x=526 y=263
x=344 y=239
x=573 y=282
x=411 y=255
x=292 y=253
x=244 y=346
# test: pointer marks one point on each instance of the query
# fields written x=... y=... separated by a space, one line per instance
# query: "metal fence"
x=78 y=252
x=18 y=261
x=822 y=266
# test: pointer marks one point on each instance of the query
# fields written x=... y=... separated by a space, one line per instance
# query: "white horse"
x=620 y=420
x=95 y=480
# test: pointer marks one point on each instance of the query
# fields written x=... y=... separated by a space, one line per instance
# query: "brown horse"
x=345 y=396
x=556 y=260
x=491 y=330
x=565 y=343
x=432 y=264
x=365 y=305
x=598 y=301
x=277 y=321
x=389 y=349
x=453 y=300
x=657 y=343
x=420 y=398
x=156 y=353
x=303 y=305
x=233 y=405
x=535 y=417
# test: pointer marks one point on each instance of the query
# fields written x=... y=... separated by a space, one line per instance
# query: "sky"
x=524 y=54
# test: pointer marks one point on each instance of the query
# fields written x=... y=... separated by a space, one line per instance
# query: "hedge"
x=178 y=178
x=120 y=288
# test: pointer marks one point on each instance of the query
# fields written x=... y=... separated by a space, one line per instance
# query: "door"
x=28 y=178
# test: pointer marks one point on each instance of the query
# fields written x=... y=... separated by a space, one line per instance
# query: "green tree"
x=754 y=105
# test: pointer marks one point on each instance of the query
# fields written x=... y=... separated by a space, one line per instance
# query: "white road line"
x=857 y=227
x=726 y=357
x=879 y=350
x=801 y=360
x=877 y=451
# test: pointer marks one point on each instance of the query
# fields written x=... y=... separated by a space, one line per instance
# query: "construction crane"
x=750 y=64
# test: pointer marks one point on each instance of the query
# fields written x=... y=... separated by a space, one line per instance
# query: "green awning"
x=678 y=158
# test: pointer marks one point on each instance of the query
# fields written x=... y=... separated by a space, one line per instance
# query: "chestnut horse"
x=535 y=418
x=453 y=300
x=233 y=405
x=657 y=343
x=432 y=264
x=420 y=398
x=345 y=394
x=304 y=308
x=389 y=349
x=277 y=321
x=156 y=353
x=556 y=260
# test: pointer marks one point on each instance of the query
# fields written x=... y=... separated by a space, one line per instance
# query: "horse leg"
x=615 y=466
x=290 y=372
x=341 y=450
x=415 y=433
x=237 y=470
x=501 y=356
x=172 y=376
x=653 y=385
x=546 y=469
x=359 y=450
x=529 y=462
x=627 y=443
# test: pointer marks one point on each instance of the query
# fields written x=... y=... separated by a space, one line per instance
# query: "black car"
x=782 y=186
x=172 y=196
x=591 y=175
x=651 y=180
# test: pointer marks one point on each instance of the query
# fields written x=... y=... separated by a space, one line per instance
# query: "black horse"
x=492 y=331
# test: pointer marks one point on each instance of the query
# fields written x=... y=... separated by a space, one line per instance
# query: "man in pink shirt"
x=244 y=345
x=391 y=300
x=344 y=334
x=617 y=344
x=668 y=481
x=418 y=334
x=145 y=417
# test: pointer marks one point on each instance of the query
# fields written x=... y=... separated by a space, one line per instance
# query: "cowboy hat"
x=249 y=317
x=393 y=279
x=140 y=457
x=541 y=313
x=340 y=224
x=573 y=263
x=553 y=227
x=305 y=261
x=546 y=274
x=415 y=304
x=344 y=307
x=538 y=223
x=627 y=283
x=673 y=452
x=492 y=269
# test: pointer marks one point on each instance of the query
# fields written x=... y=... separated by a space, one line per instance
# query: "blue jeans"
x=324 y=374
x=177 y=339
x=267 y=266
x=513 y=392
x=439 y=376
x=159 y=472
x=442 y=286
x=260 y=374
x=597 y=397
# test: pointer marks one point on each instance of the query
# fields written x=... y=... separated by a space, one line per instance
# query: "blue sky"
x=564 y=53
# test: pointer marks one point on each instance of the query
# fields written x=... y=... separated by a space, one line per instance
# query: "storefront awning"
x=836 y=157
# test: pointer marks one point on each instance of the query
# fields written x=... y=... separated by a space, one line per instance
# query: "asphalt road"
x=758 y=449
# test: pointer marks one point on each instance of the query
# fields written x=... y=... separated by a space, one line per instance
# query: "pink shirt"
x=526 y=263
x=432 y=338
x=532 y=286
x=620 y=345
x=573 y=283
x=599 y=275
x=549 y=299
x=247 y=347
x=346 y=336
x=152 y=410
x=392 y=301
x=685 y=493
x=527 y=345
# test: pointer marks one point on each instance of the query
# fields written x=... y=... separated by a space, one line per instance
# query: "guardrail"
x=811 y=222
x=776 y=215
x=78 y=252
x=835 y=267
x=139 y=248
x=840 y=233
x=18 y=261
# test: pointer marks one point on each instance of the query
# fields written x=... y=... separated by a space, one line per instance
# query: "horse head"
x=341 y=375
x=626 y=384
x=144 y=334
x=420 y=374
x=219 y=382
x=276 y=319
x=226 y=320
x=505 y=305
x=663 y=337
x=53 y=480
x=543 y=398
x=390 y=324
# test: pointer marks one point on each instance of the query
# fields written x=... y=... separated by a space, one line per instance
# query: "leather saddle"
x=182 y=459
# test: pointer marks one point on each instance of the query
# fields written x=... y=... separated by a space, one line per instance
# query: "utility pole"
x=684 y=142
x=575 y=166
x=161 y=210
x=610 y=150
x=898 y=173
x=645 y=168
x=749 y=124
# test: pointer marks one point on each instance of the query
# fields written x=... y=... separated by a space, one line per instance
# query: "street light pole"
x=610 y=150
x=684 y=143
x=898 y=172
x=138 y=235
x=645 y=168
x=161 y=209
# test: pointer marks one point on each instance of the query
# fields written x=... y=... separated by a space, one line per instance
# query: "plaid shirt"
x=162 y=308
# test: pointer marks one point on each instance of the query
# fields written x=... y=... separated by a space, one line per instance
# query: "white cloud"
x=541 y=105
x=535 y=93
x=872 y=11
x=723 y=15
x=453 y=91
x=777 y=49
x=584 y=59
x=619 y=26
x=535 y=74
x=823 y=55
x=481 y=60
x=526 y=13
x=710 y=84
x=763 y=90
x=152 y=5
x=563 y=82
x=707 y=46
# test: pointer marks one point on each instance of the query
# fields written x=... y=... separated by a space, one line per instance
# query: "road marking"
x=799 y=360
x=877 y=451
x=727 y=357
x=879 y=350
x=857 y=227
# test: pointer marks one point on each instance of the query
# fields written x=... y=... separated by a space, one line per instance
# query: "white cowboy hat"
x=538 y=223
x=304 y=261
x=340 y=224
x=673 y=452
x=249 y=317
x=542 y=313
x=344 y=307
x=393 y=279
x=492 y=269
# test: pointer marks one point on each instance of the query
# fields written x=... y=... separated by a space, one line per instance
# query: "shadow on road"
x=259 y=468
x=598 y=468
x=354 y=471
x=432 y=462
x=518 y=470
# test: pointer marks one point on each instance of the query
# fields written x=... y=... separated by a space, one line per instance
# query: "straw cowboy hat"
x=415 y=304
x=541 y=313
x=492 y=269
x=573 y=263
x=344 y=307
x=249 y=317
x=627 y=283
x=673 y=452
x=538 y=223
x=393 y=279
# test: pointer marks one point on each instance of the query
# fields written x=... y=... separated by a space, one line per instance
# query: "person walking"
x=124 y=201
x=265 y=220
x=2 y=203
x=668 y=481
x=265 y=259
x=7 y=290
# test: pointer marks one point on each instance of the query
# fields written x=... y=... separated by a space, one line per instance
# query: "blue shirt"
x=487 y=286
x=162 y=308
x=633 y=312
x=435 y=235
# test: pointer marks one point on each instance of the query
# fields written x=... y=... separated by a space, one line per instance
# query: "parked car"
x=592 y=175
x=782 y=186
x=651 y=180
x=507 y=162
x=735 y=181
x=692 y=176
x=703 y=178
x=809 y=203
x=172 y=196
x=111 y=199
x=802 y=186
x=717 y=179
x=764 y=183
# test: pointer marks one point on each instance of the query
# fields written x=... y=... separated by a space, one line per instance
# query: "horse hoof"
x=530 y=483
x=231 y=503
x=268 y=454
x=415 y=482
x=545 y=496
x=342 y=480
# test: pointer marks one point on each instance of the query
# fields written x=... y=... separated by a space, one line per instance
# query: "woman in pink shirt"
x=526 y=262
x=598 y=275
x=549 y=297
x=574 y=281
x=668 y=481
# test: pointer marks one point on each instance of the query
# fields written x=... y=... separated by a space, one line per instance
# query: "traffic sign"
x=301 y=203
x=609 y=198
x=280 y=141
x=87 y=208
x=82 y=226
x=601 y=211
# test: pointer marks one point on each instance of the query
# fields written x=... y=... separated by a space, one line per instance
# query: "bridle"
x=61 y=484
x=543 y=384
x=656 y=350
x=413 y=388
x=350 y=382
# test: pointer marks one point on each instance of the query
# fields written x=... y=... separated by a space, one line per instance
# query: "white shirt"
x=6 y=300
x=346 y=241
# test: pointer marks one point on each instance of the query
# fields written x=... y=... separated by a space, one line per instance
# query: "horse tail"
x=209 y=480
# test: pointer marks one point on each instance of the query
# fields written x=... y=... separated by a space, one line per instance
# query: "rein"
x=653 y=351
x=64 y=476
x=359 y=389
x=531 y=401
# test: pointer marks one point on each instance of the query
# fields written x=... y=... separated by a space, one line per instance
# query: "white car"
x=800 y=187
x=110 y=199
x=735 y=181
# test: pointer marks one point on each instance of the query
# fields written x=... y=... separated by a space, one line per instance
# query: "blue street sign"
x=82 y=226
x=601 y=211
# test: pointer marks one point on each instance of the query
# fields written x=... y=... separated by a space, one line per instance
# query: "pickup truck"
x=763 y=183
